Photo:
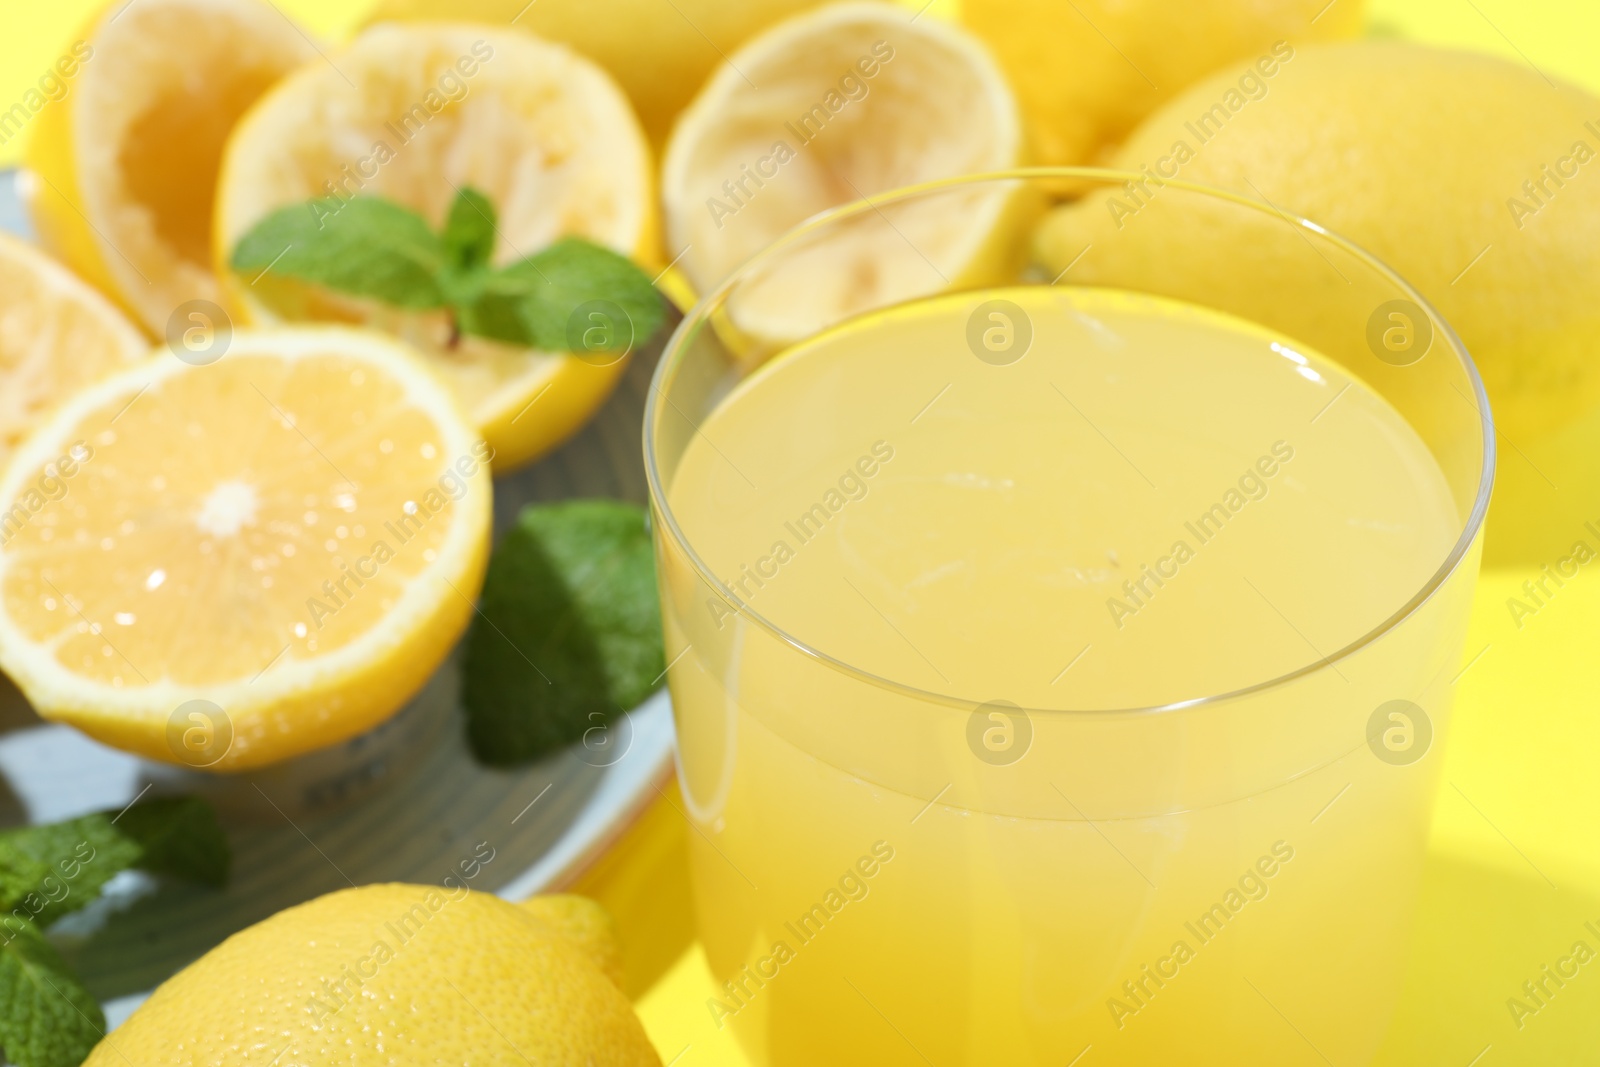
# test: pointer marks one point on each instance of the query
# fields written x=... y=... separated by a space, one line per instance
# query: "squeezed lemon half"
x=415 y=113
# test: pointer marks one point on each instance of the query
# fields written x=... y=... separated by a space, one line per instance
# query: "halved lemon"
x=415 y=113
x=124 y=169
x=827 y=108
x=230 y=564
x=56 y=336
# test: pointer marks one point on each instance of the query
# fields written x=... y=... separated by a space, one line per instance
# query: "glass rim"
x=673 y=354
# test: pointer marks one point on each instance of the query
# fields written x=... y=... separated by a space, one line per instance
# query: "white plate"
x=406 y=803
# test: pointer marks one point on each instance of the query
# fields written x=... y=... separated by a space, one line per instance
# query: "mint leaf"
x=47 y=1018
x=570 y=628
x=367 y=247
x=50 y=871
x=469 y=232
x=179 y=837
x=574 y=296
x=545 y=291
x=47 y=872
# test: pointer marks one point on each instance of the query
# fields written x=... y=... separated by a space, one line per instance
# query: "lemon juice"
x=1064 y=688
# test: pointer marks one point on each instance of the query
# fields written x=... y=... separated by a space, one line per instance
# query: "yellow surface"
x=1520 y=789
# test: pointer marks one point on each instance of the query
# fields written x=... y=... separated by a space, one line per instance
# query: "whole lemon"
x=390 y=974
x=1476 y=179
x=660 y=52
x=1089 y=70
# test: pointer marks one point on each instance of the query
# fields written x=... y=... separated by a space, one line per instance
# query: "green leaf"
x=470 y=230
x=47 y=1017
x=367 y=247
x=540 y=301
x=570 y=630
x=50 y=871
x=179 y=837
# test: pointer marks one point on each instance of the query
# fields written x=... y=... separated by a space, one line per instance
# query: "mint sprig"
x=47 y=1017
x=569 y=634
x=573 y=296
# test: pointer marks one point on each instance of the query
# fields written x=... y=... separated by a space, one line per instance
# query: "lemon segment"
x=388 y=974
x=828 y=108
x=124 y=170
x=293 y=535
x=415 y=113
x=56 y=336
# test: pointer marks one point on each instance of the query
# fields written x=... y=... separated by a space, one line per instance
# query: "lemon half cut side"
x=124 y=166
x=228 y=565
x=828 y=108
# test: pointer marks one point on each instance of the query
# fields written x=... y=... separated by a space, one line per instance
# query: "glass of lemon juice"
x=1064 y=576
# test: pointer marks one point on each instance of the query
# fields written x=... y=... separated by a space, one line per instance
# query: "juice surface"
x=1154 y=503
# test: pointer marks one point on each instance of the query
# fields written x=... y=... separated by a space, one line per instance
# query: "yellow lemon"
x=827 y=108
x=587 y=925
x=1474 y=178
x=56 y=336
x=415 y=113
x=660 y=52
x=227 y=564
x=124 y=169
x=1088 y=70
x=388 y=974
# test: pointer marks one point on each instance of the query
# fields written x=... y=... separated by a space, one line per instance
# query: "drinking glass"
x=893 y=869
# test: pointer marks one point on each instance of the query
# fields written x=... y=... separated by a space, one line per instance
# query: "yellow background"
x=1525 y=746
